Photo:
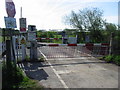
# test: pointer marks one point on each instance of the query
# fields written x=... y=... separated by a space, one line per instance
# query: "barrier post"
x=32 y=39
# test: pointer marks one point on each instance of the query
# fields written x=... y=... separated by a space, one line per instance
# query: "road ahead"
x=82 y=72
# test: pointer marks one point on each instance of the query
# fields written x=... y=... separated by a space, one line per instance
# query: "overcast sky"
x=48 y=14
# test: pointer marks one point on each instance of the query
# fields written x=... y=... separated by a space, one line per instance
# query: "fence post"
x=111 y=51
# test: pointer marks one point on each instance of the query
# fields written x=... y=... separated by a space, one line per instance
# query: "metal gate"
x=73 y=50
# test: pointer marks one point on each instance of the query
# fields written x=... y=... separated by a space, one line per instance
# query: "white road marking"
x=61 y=80
x=23 y=68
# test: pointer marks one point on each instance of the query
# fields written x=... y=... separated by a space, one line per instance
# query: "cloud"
x=112 y=19
x=101 y=0
x=49 y=13
x=8 y=1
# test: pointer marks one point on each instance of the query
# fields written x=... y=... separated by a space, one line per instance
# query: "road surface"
x=80 y=72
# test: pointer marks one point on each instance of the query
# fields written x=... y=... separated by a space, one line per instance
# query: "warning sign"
x=10 y=22
x=22 y=24
x=16 y=40
x=23 y=41
x=31 y=36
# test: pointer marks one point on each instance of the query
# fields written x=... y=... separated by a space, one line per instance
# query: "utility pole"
x=21 y=12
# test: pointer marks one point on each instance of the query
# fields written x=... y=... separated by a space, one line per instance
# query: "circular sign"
x=16 y=40
x=10 y=8
x=23 y=41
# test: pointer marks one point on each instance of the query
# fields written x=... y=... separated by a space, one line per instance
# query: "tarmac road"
x=82 y=72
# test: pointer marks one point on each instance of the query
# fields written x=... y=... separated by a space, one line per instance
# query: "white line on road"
x=61 y=80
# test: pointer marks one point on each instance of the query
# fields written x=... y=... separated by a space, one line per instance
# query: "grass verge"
x=13 y=77
x=112 y=59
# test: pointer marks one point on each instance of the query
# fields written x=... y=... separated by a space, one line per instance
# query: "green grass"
x=41 y=59
x=29 y=83
x=57 y=36
x=112 y=59
x=13 y=77
x=57 y=41
x=117 y=60
x=27 y=58
x=109 y=58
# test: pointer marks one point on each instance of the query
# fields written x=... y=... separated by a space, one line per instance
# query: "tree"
x=71 y=32
x=110 y=27
x=96 y=36
x=86 y=19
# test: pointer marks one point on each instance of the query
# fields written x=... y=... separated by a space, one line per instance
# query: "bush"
x=28 y=83
x=113 y=58
x=13 y=78
x=42 y=59
x=117 y=60
x=109 y=58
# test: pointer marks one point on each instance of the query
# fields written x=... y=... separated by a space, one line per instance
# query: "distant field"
x=57 y=36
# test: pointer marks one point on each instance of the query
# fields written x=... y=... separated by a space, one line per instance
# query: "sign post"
x=23 y=42
x=22 y=24
x=33 y=42
x=10 y=22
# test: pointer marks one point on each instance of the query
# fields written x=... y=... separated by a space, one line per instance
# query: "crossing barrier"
x=74 y=50
x=48 y=38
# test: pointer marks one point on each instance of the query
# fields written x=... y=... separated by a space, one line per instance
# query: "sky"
x=48 y=14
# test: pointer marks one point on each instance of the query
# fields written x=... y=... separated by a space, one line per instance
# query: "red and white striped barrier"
x=66 y=50
x=87 y=45
x=62 y=45
x=104 y=47
x=48 y=38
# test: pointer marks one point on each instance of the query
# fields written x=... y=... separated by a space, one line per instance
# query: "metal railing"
x=63 y=51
